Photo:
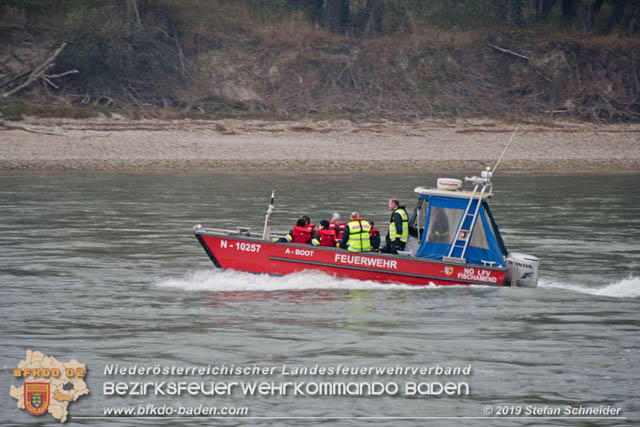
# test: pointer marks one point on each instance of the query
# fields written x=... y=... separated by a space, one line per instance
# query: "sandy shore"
x=340 y=145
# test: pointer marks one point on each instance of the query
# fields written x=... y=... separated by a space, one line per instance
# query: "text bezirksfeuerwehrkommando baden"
x=284 y=388
x=250 y=387
x=285 y=370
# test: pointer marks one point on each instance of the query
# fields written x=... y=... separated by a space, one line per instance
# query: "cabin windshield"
x=443 y=218
x=442 y=224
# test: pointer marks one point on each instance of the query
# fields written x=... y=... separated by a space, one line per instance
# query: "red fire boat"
x=454 y=240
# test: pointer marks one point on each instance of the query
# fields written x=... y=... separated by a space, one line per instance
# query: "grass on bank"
x=20 y=110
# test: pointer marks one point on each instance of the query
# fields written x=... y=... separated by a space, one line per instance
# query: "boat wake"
x=236 y=281
x=626 y=288
x=229 y=280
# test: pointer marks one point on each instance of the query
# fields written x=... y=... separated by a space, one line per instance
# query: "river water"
x=104 y=268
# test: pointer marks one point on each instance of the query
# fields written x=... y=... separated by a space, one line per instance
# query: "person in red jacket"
x=337 y=225
x=307 y=223
x=300 y=233
x=326 y=236
x=374 y=235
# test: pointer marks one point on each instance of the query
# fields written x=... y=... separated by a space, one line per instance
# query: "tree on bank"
x=329 y=55
x=370 y=18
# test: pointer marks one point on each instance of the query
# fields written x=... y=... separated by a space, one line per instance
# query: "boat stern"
x=522 y=270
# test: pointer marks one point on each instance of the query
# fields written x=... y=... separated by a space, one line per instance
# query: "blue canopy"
x=444 y=214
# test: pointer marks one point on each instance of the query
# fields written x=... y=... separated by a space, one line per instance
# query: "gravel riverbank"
x=120 y=144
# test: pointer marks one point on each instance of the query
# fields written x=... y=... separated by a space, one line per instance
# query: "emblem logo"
x=59 y=384
x=36 y=397
x=448 y=271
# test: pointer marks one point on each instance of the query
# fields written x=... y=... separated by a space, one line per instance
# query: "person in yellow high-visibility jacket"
x=356 y=234
x=398 y=234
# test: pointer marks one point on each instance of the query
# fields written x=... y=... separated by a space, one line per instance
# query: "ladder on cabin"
x=468 y=221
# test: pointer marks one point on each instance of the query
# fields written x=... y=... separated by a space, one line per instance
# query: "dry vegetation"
x=216 y=59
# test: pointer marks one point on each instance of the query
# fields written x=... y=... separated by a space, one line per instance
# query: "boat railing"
x=239 y=231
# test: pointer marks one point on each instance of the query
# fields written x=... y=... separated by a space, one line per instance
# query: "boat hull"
x=258 y=256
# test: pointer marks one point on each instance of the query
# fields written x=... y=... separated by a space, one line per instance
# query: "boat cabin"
x=457 y=226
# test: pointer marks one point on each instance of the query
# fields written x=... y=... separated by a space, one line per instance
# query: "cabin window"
x=421 y=214
x=443 y=224
x=478 y=238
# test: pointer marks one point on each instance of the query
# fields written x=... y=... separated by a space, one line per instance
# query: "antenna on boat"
x=460 y=243
x=505 y=149
x=266 y=233
x=487 y=174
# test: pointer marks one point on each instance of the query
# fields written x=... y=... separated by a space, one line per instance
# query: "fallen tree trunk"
x=40 y=72
x=15 y=126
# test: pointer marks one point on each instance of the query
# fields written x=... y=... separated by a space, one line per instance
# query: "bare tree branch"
x=132 y=9
x=525 y=58
x=39 y=72
x=180 y=54
x=55 y=76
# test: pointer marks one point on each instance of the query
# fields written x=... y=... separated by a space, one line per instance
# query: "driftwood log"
x=17 y=126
